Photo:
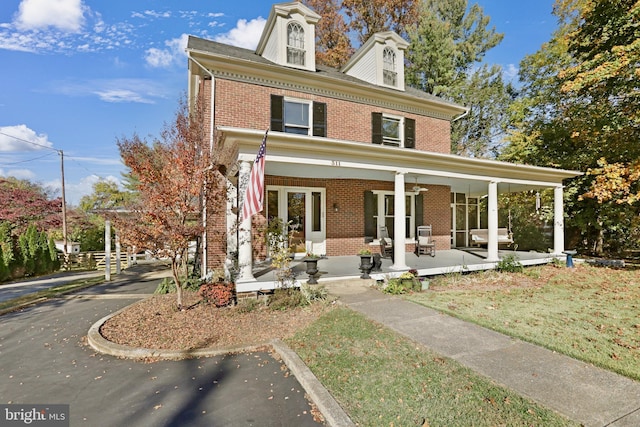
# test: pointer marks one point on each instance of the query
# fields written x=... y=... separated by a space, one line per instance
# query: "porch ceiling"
x=312 y=157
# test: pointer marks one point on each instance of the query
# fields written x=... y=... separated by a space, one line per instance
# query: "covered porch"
x=339 y=268
x=398 y=178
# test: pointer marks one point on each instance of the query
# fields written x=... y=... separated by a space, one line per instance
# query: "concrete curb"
x=333 y=414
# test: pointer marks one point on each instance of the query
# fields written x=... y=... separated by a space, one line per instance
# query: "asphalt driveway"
x=44 y=359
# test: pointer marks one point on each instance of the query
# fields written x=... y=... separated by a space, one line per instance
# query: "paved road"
x=17 y=289
x=44 y=359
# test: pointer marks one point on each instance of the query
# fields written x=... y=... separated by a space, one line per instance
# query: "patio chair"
x=386 y=244
x=424 y=241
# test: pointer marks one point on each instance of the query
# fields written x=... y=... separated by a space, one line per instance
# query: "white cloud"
x=245 y=34
x=19 y=174
x=65 y=15
x=511 y=72
x=164 y=58
x=116 y=90
x=75 y=190
x=21 y=138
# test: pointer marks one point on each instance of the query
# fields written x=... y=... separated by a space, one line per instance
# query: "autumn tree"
x=579 y=110
x=367 y=17
x=332 y=34
x=448 y=42
x=23 y=203
x=171 y=174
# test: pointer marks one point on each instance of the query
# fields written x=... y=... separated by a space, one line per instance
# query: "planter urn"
x=312 y=269
x=365 y=266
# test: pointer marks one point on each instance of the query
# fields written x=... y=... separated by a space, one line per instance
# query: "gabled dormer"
x=380 y=61
x=289 y=35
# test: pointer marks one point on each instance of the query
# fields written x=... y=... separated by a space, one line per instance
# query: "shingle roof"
x=220 y=49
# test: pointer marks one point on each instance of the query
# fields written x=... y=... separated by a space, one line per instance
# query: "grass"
x=589 y=313
x=53 y=292
x=381 y=378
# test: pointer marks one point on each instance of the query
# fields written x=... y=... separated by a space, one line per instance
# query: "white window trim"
x=309 y=104
x=400 y=130
x=380 y=219
x=289 y=46
x=391 y=67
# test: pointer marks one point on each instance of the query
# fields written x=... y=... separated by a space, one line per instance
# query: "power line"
x=29 y=142
x=25 y=161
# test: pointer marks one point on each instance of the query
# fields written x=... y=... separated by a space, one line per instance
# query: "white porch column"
x=107 y=250
x=558 y=221
x=245 y=255
x=118 y=253
x=399 y=227
x=492 y=216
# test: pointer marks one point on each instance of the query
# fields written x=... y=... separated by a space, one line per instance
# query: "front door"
x=303 y=209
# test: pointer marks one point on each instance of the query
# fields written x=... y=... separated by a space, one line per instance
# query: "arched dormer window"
x=389 y=73
x=295 y=44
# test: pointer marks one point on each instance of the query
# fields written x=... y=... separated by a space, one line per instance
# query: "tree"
x=447 y=46
x=23 y=203
x=578 y=110
x=487 y=97
x=106 y=195
x=171 y=174
x=448 y=41
x=333 y=44
x=367 y=17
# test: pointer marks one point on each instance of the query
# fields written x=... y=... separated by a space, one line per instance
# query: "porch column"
x=118 y=253
x=245 y=258
x=399 y=227
x=558 y=221
x=492 y=216
x=107 y=250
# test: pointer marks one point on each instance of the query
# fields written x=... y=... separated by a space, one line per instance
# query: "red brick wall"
x=249 y=106
x=345 y=228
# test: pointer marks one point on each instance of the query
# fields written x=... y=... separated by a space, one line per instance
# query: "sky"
x=77 y=75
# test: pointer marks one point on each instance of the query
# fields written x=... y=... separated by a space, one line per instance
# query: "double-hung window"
x=299 y=116
x=296 y=116
x=393 y=130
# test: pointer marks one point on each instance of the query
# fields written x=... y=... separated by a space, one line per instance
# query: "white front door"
x=304 y=210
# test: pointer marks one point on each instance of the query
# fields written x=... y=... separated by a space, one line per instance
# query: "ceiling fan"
x=417 y=189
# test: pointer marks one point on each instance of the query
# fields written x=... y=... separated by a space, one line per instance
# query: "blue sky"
x=78 y=74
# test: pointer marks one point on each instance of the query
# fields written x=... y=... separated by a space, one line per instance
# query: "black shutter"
x=419 y=210
x=319 y=119
x=277 y=113
x=370 y=231
x=376 y=128
x=409 y=133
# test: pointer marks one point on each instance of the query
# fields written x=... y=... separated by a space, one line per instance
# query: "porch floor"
x=339 y=268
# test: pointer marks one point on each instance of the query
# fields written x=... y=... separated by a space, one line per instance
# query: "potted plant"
x=311 y=260
x=410 y=281
x=365 y=262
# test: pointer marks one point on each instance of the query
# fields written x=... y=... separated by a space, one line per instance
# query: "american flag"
x=254 y=195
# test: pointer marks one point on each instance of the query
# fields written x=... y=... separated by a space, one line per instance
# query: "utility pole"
x=64 y=210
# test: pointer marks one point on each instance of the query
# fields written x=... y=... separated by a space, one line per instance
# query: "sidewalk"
x=580 y=391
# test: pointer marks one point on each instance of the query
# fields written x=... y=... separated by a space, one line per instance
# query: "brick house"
x=342 y=146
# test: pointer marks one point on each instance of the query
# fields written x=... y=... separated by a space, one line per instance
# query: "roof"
x=212 y=48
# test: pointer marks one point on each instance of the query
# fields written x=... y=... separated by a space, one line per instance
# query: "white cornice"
x=272 y=75
x=327 y=151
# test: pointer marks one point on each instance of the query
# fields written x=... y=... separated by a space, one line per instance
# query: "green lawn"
x=383 y=379
x=589 y=313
